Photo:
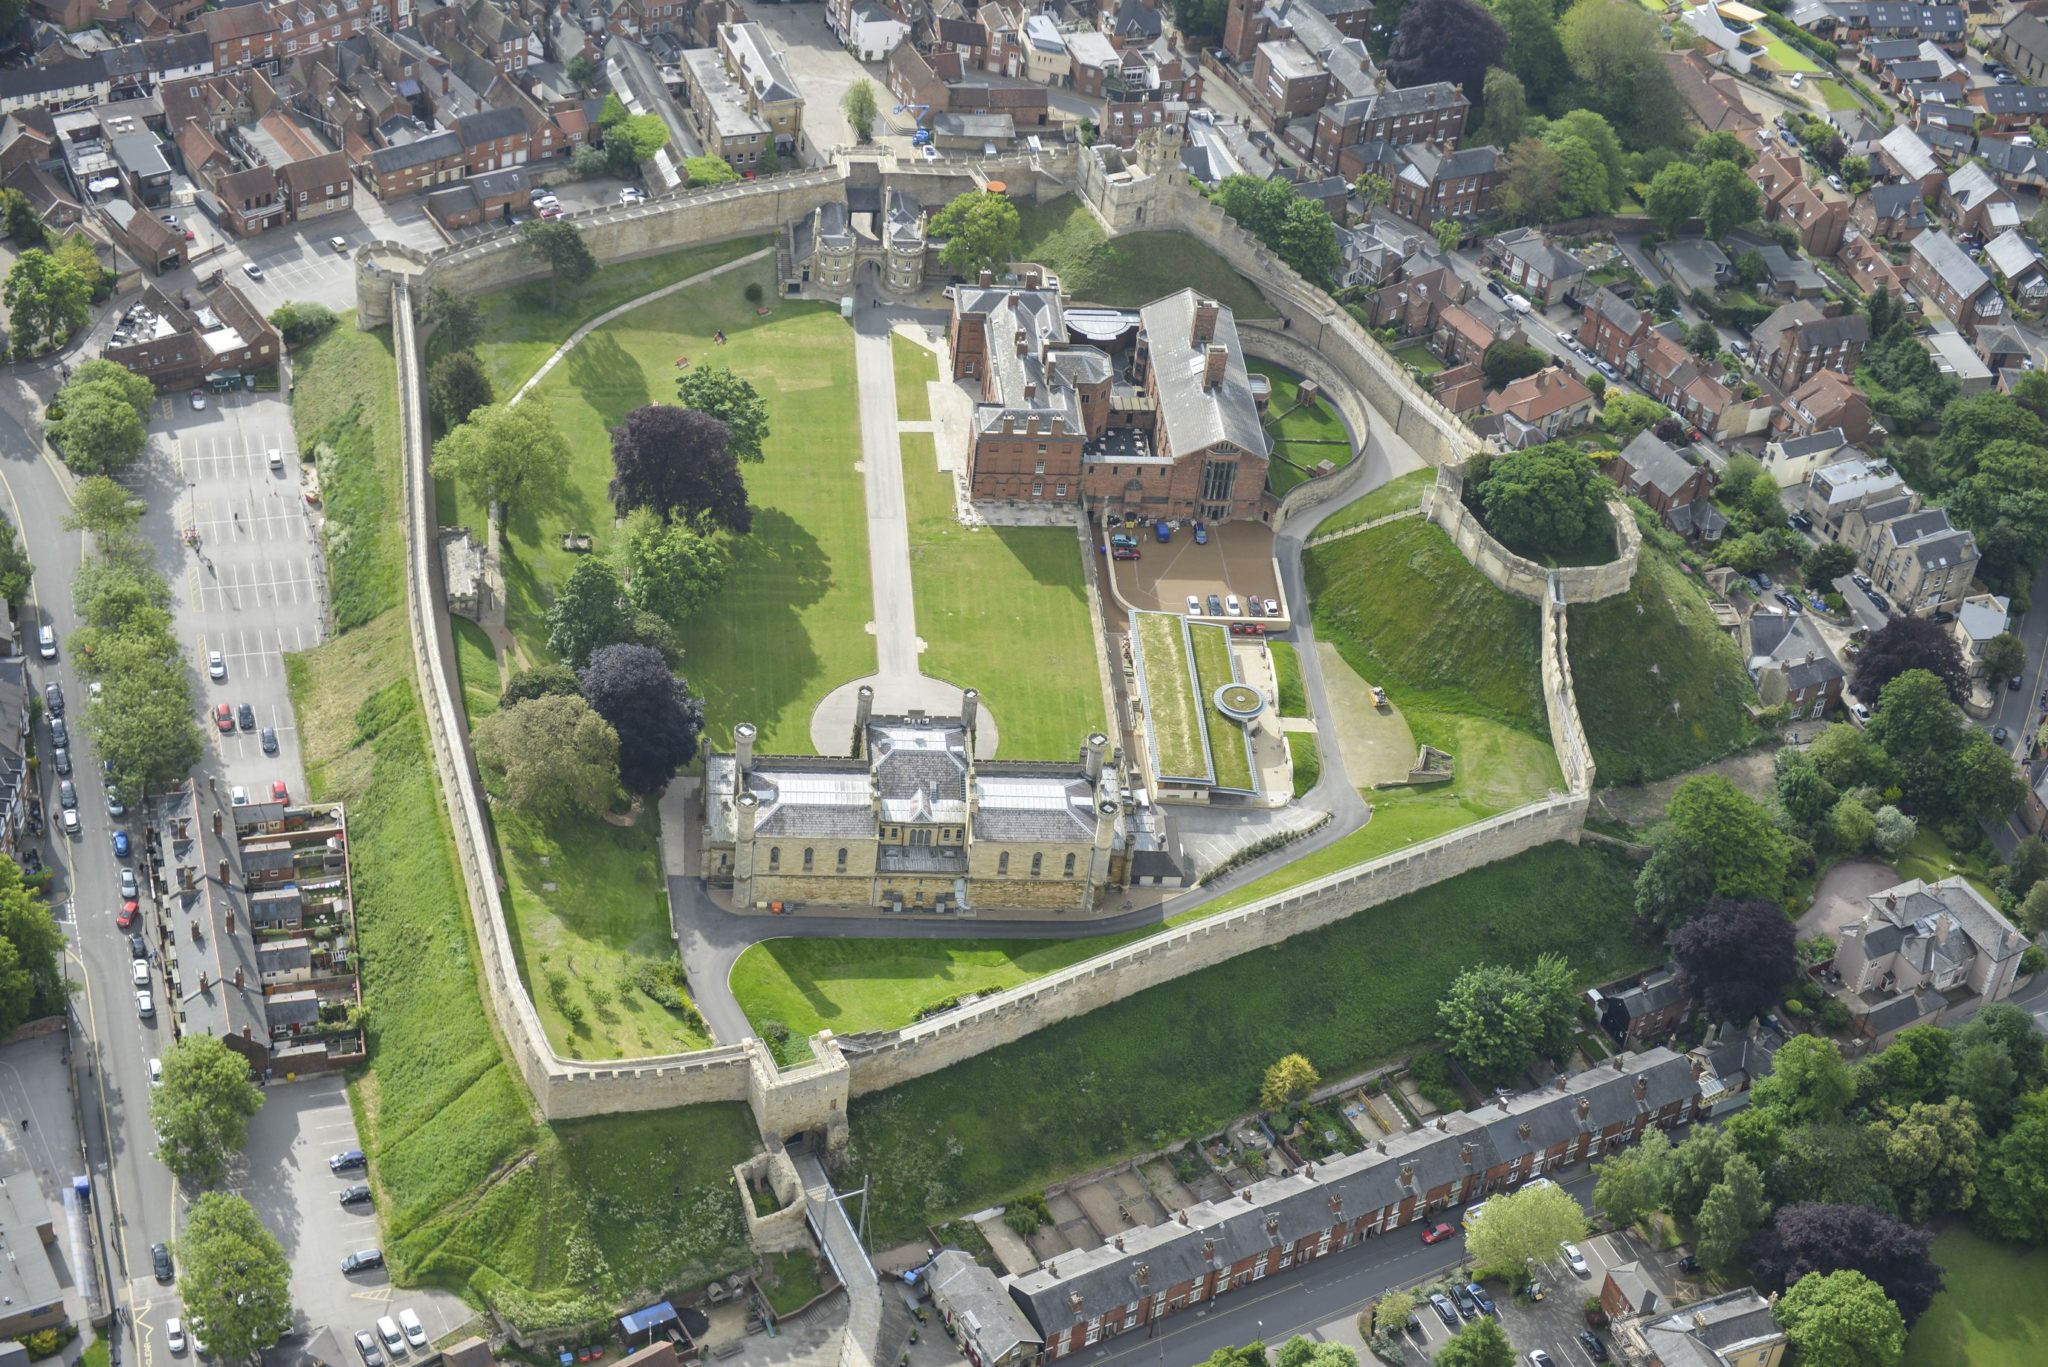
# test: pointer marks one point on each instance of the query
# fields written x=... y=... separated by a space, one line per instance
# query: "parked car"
x=363 y=1261
x=145 y=1007
x=46 y=642
x=245 y=715
x=1194 y=606
x=1480 y=1298
x=53 y=698
x=268 y=736
x=1445 y=1311
x=60 y=732
x=67 y=795
x=348 y=1160
x=355 y=1195
x=278 y=792
x=121 y=847
x=388 y=1335
x=1163 y=530
x=138 y=948
x=1789 y=599
x=1437 y=1233
x=129 y=892
x=61 y=758
x=630 y=196
x=156 y=1072
x=174 y=1335
x=367 y=1346
x=1998 y=734
x=160 y=1261
x=1124 y=553
x=415 y=1332
x=1201 y=535
x=224 y=719
x=1272 y=607
x=340 y=245
x=216 y=665
x=70 y=822
x=1539 y=1358
x=126 y=916
x=1595 y=1349
x=1574 y=1260
x=1215 y=606
x=1461 y=1295
x=1232 y=605
x=252 y=270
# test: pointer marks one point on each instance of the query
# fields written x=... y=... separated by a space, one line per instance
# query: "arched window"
x=807 y=859
x=1037 y=865
x=774 y=857
x=1003 y=864
x=1070 y=867
x=842 y=859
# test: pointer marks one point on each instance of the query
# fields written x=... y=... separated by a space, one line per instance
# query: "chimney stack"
x=1205 y=322
x=1093 y=755
x=987 y=279
x=743 y=746
x=970 y=711
x=238 y=978
x=1214 y=360
x=863 y=706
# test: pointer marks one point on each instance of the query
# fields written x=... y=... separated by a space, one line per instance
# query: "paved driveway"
x=1839 y=900
x=823 y=70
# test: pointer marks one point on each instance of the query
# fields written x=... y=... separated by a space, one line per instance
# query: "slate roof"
x=404 y=156
x=1194 y=417
x=1908 y=152
x=2024 y=100
x=760 y=67
x=1079 y=1285
x=978 y=1300
x=1550 y=261
x=1788 y=641
x=1900 y=203
x=1618 y=311
x=2011 y=255
x=1972 y=185
x=1951 y=263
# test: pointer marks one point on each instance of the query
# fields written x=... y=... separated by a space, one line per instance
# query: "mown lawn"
x=476 y=660
x=520 y=330
x=1004 y=610
x=1182 y=1058
x=1293 y=696
x=582 y=922
x=1661 y=687
x=791 y=623
x=1227 y=741
x=1172 y=707
x=1133 y=269
x=1787 y=58
x=1398 y=494
x=1994 y=1310
x=916 y=368
x=1302 y=438
x=548 y=1225
x=1418 y=358
x=1839 y=96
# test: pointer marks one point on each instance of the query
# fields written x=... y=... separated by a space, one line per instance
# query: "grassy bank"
x=1180 y=1059
x=1173 y=709
x=1227 y=741
x=1004 y=610
x=345 y=412
x=791 y=623
x=1302 y=437
x=1661 y=687
x=547 y=1224
x=1397 y=495
x=1134 y=268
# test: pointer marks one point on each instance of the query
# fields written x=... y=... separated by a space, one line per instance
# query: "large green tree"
x=561 y=247
x=458 y=386
x=733 y=401
x=589 y=612
x=31 y=973
x=1674 y=195
x=47 y=301
x=1616 y=50
x=981 y=231
x=201 y=1112
x=98 y=431
x=1733 y=836
x=1496 y=1017
x=1299 y=231
x=16 y=572
x=555 y=757
x=1548 y=499
x=1523 y=1227
x=1931 y=1153
x=1630 y=1183
x=1841 y=1319
x=1482 y=1343
x=1533 y=53
x=233 y=1278
x=858 y=104
x=1735 y=1209
x=672 y=570
x=507 y=454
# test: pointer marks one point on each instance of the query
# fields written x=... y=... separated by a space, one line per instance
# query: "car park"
x=160 y=1261
x=245 y=716
x=363 y=1260
x=348 y=1160
x=216 y=665
x=1445 y=1311
x=53 y=698
x=415 y=1332
x=367 y=1346
x=1574 y=1260
x=1437 y=1233
x=356 y=1195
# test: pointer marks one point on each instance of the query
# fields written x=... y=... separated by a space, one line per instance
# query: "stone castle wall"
x=1520 y=576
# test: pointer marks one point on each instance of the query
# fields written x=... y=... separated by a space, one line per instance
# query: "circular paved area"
x=832 y=720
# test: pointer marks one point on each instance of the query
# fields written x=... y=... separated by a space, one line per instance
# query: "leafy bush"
x=302 y=322
x=1796 y=1008
x=2034 y=960
x=1431 y=1074
x=1026 y=1213
x=1833 y=1016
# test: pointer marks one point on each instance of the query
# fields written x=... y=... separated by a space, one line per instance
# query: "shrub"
x=1833 y=1016
x=752 y=292
x=2034 y=960
x=1796 y=1008
x=301 y=322
x=1026 y=1213
x=1431 y=1074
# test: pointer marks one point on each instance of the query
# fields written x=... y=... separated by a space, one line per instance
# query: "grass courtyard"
x=1227 y=741
x=1132 y=269
x=1179 y=1059
x=549 y=1225
x=476 y=663
x=1302 y=438
x=1994 y=1312
x=1004 y=610
x=790 y=625
x=1661 y=687
x=916 y=368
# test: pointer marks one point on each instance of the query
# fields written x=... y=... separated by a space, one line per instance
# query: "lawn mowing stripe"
x=1230 y=745
x=1173 y=712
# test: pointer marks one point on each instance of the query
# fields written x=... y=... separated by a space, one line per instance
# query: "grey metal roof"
x=1902 y=202
x=506 y=121
x=1972 y=185
x=1194 y=417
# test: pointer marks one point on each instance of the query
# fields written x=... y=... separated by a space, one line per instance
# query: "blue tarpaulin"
x=647 y=1319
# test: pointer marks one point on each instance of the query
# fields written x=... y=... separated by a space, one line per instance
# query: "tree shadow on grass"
x=763 y=661
x=607 y=377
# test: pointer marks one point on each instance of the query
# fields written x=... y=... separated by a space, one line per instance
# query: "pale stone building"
x=913 y=822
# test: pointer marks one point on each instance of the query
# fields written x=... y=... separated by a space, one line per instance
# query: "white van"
x=392 y=1339
x=415 y=1332
x=46 y=641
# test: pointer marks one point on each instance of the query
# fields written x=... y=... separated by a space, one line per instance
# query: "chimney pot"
x=1215 y=361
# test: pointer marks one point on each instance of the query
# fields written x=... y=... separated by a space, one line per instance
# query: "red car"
x=1436 y=1234
x=277 y=791
x=224 y=719
x=127 y=916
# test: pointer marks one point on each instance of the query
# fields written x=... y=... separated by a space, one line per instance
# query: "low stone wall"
x=1520 y=576
x=884 y=1058
x=1266 y=342
x=1561 y=703
x=784 y=1228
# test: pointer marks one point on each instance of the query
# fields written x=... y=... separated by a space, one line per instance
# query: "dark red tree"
x=1735 y=956
x=1910 y=643
x=1446 y=40
x=1809 y=1237
x=633 y=688
x=677 y=462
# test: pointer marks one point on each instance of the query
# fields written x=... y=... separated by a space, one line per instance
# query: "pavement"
x=40 y=1142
